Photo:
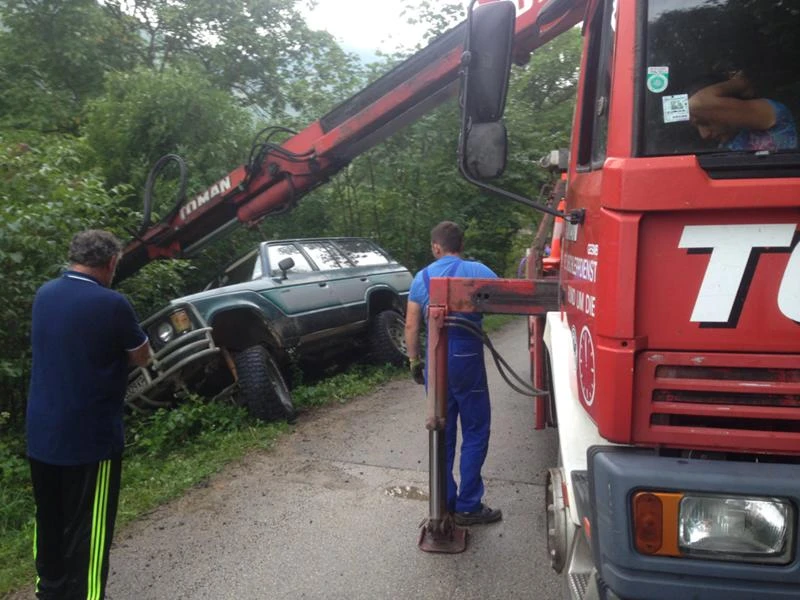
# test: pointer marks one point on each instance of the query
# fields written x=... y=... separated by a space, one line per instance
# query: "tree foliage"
x=48 y=194
x=54 y=55
x=256 y=49
x=145 y=114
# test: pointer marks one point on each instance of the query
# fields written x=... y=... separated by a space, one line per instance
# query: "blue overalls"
x=467 y=399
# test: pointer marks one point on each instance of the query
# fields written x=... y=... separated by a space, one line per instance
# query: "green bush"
x=15 y=496
x=168 y=430
x=357 y=380
x=48 y=194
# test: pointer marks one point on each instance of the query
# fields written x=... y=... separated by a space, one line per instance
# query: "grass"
x=169 y=452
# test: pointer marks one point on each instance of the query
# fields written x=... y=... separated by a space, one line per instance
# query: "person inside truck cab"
x=730 y=113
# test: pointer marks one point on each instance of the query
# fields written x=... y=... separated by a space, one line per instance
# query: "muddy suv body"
x=287 y=301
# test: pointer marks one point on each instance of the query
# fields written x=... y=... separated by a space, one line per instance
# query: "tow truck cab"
x=675 y=353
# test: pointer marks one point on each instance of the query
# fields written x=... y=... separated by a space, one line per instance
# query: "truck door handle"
x=365 y=279
x=323 y=284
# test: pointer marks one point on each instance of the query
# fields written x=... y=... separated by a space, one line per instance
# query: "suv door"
x=369 y=270
x=305 y=295
x=335 y=267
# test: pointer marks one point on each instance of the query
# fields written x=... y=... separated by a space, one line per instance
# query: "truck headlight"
x=165 y=332
x=738 y=528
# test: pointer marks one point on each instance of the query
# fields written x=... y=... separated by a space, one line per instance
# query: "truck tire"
x=262 y=388
x=387 y=338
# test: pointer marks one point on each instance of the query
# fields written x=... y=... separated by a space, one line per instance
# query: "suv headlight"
x=179 y=322
x=736 y=528
x=165 y=332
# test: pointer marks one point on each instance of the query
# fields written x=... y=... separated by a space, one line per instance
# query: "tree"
x=257 y=49
x=54 y=55
x=144 y=115
x=540 y=105
x=48 y=194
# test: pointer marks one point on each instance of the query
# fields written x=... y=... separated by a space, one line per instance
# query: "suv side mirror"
x=286 y=264
x=487 y=66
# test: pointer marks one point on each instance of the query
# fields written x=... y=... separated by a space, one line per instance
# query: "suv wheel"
x=262 y=388
x=387 y=338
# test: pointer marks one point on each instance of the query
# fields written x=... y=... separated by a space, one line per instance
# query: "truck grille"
x=736 y=402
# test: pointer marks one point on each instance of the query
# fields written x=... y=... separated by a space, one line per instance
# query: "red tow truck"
x=665 y=335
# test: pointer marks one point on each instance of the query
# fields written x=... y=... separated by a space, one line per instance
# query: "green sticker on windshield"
x=657 y=79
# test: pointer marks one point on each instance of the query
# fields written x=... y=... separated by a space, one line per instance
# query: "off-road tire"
x=387 y=338
x=262 y=388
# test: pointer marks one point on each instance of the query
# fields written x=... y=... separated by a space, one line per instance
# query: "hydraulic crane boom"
x=277 y=176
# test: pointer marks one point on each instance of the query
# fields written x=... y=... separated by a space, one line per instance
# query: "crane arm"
x=279 y=175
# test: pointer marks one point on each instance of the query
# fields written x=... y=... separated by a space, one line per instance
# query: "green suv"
x=301 y=300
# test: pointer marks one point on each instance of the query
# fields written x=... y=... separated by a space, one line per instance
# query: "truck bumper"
x=616 y=474
x=173 y=367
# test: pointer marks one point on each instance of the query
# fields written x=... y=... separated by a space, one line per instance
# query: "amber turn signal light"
x=655 y=523
x=647 y=522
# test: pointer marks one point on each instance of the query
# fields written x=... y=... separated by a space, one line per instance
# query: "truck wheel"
x=387 y=338
x=262 y=389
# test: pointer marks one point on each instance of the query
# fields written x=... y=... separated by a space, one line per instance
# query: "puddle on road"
x=406 y=491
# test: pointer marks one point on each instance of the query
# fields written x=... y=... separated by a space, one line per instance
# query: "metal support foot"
x=442 y=536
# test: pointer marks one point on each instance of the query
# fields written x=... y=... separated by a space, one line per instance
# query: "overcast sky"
x=366 y=25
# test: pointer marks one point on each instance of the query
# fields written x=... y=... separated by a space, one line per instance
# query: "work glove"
x=417 y=370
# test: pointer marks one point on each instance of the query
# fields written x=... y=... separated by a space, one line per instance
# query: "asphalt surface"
x=334 y=510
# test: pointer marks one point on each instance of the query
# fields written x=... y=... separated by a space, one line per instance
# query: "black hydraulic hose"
x=502 y=366
x=259 y=152
x=260 y=149
x=150 y=183
x=526 y=389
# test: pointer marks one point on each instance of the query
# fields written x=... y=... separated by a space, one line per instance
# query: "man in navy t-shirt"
x=85 y=336
x=467 y=389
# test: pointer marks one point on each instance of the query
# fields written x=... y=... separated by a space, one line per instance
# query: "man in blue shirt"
x=731 y=113
x=84 y=338
x=467 y=389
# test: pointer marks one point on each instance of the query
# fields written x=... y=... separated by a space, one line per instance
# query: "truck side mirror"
x=487 y=150
x=488 y=58
x=486 y=61
x=284 y=265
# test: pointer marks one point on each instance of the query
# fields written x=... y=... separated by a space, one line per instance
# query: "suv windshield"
x=721 y=76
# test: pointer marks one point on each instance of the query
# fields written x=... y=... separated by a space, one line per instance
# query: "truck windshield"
x=720 y=76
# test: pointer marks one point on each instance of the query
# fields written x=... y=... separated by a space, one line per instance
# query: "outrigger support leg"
x=439 y=532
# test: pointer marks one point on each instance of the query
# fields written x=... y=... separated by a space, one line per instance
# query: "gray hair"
x=93 y=248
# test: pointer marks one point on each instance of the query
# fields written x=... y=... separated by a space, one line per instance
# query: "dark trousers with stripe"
x=76 y=507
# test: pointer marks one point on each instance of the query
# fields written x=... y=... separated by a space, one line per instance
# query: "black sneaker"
x=479 y=517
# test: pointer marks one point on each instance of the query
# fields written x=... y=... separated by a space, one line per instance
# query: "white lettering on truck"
x=222 y=186
x=731 y=248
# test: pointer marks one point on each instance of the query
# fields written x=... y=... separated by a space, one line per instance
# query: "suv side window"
x=362 y=253
x=277 y=252
x=326 y=256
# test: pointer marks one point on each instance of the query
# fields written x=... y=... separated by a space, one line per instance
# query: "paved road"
x=333 y=512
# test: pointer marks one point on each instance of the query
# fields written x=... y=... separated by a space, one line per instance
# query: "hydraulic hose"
x=524 y=387
x=150 y=184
